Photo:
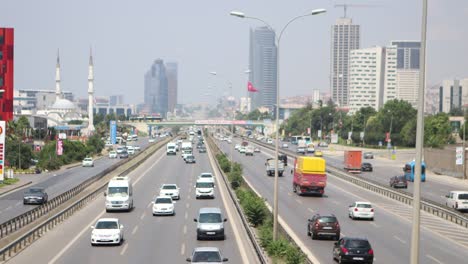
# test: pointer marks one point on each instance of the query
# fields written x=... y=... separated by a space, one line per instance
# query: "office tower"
x=407 y=78
x=371 y=77
x=263 y=67
x=6 y=73
x=171 y=72
x=315 y=96
x=116 y=100
x=453 y=94
x=156 y=89
x=344 y=38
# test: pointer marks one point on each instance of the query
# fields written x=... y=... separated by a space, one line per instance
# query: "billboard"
x=113 y=131
x=59 y=147
x=2 y=149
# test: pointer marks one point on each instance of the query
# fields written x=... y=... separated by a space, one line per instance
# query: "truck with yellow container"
x=309 y=175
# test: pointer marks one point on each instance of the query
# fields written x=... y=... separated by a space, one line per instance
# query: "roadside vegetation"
x=258 y=215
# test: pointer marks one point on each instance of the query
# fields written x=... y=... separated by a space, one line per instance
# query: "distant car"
x=242 y=150
x=257 y=149
x=399 y=182
x=206 y=255
x=285 y=145
x=354 y=250
x=137 y=148
x=112 y=154
x=130 y=150
x=202 y=150
x=151 y=140
x=107 y=231
x=323 y=144
x=361 y=210
x=457 y=200
x=207 y=176
x=318 y=153
x=301 y=150
x=123 y=155
x=237 y=146
x=163 y=205
x=35 y=195
x=121 y=149
x=171 y=190
x=284 y=158
x=269 y=141
x=87 y=162
x=368 y=155
x=108 y=144
x=366 y=166
x=190 y=159
x=323 y=225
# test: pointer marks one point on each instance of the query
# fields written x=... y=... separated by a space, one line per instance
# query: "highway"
x=56 y=183
x=389 y=234
x=147 y=238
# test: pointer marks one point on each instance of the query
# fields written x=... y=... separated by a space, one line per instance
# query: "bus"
x=409 y=171
x=307 y=139
x=295 y=139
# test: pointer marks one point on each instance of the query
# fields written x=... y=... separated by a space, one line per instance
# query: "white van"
x=119 y=194
x=457 y=200
x=171 y=148
x=204 y=188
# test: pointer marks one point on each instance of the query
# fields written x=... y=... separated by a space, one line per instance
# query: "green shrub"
x=278 y=248
x=255 y=211
x=294 y=255
x=266 y=235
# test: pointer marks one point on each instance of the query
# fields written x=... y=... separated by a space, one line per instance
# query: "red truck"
x=309 y=175
x=353 y=161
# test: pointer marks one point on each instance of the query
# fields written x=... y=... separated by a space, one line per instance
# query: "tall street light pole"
x=419 y=142
x=278 y=41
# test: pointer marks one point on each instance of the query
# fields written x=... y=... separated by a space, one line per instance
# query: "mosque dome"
x=63 y=104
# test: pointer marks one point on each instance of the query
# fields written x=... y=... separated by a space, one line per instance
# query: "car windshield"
x=357 y=244
x=364 y=206
x=35 y=190
x=169 y=187
x=204 y=185
x=206 y=256
x=117 y=191
x=327 y=219
x=163 y=201
x=401 y=178
x=112 y=152
x=463 y=196
x=88 y=159
x=206 y=176
x=106 y=225
x=210 y=218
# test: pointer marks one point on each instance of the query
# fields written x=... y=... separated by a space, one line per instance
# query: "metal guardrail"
x=427 y=205
x=245 y=223
x=18 y=222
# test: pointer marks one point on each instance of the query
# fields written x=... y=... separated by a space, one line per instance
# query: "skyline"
x=202 y=37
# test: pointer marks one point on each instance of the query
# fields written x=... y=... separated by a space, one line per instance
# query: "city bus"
x=295 y=139
x=409 y=171
x=307 y=139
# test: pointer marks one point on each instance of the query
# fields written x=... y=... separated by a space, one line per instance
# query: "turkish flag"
x=251 y=88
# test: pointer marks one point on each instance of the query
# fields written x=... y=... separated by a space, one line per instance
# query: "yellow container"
x=310 y=164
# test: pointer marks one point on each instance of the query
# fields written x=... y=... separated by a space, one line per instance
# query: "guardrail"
x=401 y=196
x=245 y=223
x=26 y=218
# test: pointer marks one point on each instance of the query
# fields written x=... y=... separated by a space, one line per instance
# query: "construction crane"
x=345 y=7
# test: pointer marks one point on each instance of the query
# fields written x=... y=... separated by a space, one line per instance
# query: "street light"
x=278 y=41
x=419 y=141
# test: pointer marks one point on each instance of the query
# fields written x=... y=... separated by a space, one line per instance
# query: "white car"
x=137 y=148
x=242 y=150
x=107 y=231
x=120 y=150
x=112 y=154
x=257 y=149
x=206 y=176
x=151 y=140
x=170 y=190
x=163 y=205
x=204 y=188
x=457 y=200
x=269 y=141
x=130 y=150
x=88 y=162
x=361 y=210
x=285 y=145
x=237 y=146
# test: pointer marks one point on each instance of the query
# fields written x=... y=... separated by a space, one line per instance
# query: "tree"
x=437 y=130
x=408 y=133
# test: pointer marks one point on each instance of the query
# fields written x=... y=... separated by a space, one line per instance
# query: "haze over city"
x=127 y=36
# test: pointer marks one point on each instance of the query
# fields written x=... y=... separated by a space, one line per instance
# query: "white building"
x=453 y=94
x=245 y=105
x=407 y=85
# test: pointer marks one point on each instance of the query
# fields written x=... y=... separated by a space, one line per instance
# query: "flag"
x=251 y=88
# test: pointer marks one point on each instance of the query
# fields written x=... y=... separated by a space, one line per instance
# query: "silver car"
x=210 y=223
x=206 y=255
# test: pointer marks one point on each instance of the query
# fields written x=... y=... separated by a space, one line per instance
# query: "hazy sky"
x=126 y=37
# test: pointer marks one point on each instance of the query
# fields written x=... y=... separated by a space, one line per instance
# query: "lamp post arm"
x=287 y=24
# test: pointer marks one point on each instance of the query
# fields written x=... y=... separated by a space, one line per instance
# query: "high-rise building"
x=407 y=78
x=371 y=77
x=116 y=100
x=6 y=73
x=316 y=96
x=172 y=82
x=453 y=94
x=263 y=67
x=344 y=38
x=156 y=88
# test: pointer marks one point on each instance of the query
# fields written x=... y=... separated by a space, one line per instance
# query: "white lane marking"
x=149 y=205
x=230 y=214
x=142 y=215
x=185 y=229
x=299 y=201
x=85 y=229
x=188 y=197
x=134 y=230
x=186 y=215
x=187 y=205
x=399 y=239
x=288 y=230
x=124 y=249
x=434 y=259
x=335 y=202
x=310 y=210
x=182 y=249
x=374 y=224
x=18 y=203
x=8 y=208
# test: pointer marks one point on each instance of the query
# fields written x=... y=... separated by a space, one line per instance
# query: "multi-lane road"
x=147 y=238
x=389 y=233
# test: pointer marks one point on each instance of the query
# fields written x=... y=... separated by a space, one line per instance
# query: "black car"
x=323 y=225
x=366 y=166
x=190 y=159
x=283 y=158
x=368 y=155
x=202 y=150
x=399 y=182
x=123 y=155
x=352 y=249
x=35 y=195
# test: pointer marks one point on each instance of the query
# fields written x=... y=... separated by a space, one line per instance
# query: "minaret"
x=90 y=94
x=58 y=91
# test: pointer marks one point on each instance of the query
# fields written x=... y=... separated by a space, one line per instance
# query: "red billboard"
x=6 y=74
